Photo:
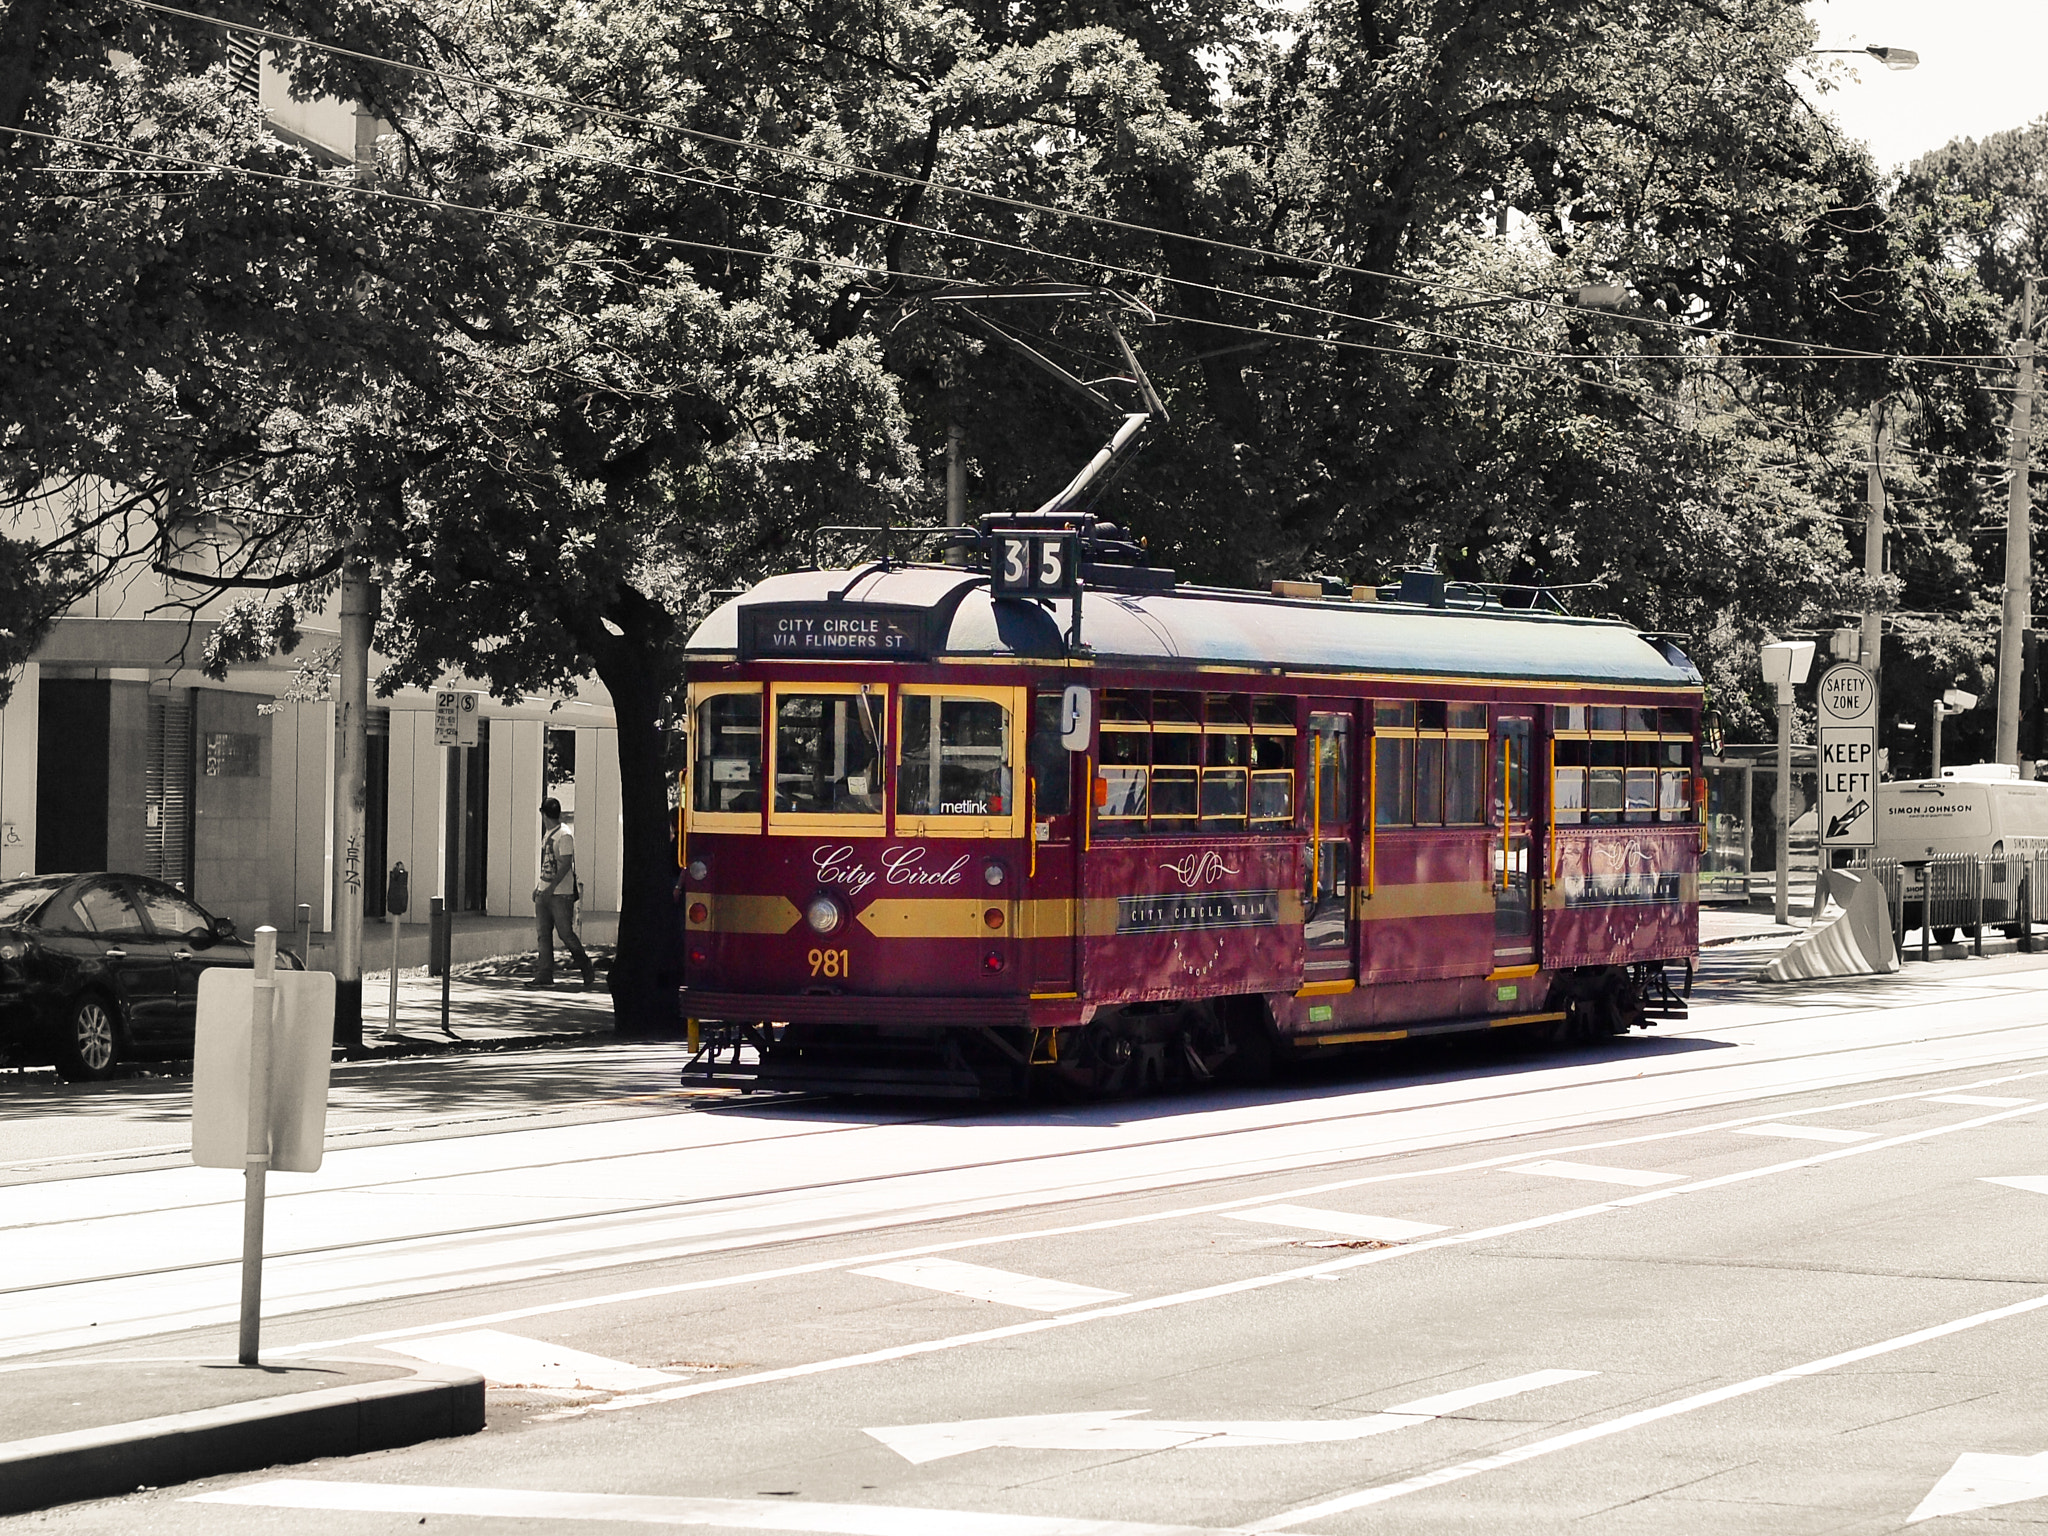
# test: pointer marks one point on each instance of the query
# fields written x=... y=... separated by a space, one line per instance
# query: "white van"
x=1981 y=809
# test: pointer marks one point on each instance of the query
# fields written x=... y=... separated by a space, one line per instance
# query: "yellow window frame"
x=695 y=820
x=1011 y=823
x=808 y=823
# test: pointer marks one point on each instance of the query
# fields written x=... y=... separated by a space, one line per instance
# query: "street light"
x=1785 y=663
x=1890 y=58
x=1953 y=702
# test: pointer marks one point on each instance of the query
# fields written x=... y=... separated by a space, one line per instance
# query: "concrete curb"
x=433 y=1402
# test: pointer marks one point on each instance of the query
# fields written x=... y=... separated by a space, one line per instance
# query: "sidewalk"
x=490 y=1007
x=202 y=1418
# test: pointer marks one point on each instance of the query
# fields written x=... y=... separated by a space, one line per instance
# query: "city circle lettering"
x=836 y=632
x=903 y=867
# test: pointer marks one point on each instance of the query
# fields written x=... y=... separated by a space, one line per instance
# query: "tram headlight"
x=699 y=869
x=824 y=915
x=994 y=873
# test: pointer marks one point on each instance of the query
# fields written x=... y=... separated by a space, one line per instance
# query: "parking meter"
x=398 y=894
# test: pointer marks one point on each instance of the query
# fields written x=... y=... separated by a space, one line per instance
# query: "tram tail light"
x=992 y=961
x=993 y=917
x=1101 y=792
x=699 y=912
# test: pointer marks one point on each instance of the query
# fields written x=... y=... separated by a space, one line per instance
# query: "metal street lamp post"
x=1785 y=664
x=1953 y=702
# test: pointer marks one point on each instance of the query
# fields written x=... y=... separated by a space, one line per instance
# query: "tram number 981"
x=832 y=963
x=1034 y=564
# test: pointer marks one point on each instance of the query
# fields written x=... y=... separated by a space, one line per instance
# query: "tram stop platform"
x=95 y=1429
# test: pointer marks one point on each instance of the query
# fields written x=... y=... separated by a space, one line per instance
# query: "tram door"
x=1052 y=868
x=1332 y=818
x=1514 y=829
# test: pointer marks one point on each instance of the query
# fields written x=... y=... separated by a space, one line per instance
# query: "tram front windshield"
x=827 y=754
x=958 y=767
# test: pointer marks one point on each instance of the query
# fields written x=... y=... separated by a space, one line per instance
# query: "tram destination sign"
x=834 y=632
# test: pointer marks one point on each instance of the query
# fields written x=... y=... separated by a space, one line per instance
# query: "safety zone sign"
x=1848 y=757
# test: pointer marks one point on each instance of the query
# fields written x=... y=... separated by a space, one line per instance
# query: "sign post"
x=264 y=1042
x=455 y=714
x=1848 y=758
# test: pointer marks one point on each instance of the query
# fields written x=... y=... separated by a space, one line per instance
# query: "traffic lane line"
x=657 y=1509
x=1587 y=1434
x=1261 y=1282
x=752 y=1278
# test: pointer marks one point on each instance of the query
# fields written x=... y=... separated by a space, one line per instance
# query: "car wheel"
x=90 y=1047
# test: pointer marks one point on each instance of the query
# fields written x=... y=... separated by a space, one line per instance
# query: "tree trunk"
x=647 y=967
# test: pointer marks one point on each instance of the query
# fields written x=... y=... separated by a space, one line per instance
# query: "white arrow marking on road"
x=2033 y=1183
x=1979 y=1481
x=1119 y=1429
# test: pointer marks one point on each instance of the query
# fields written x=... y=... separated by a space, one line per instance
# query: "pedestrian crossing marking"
x=1807 y=1133
x=507 y=1360
x=979 y=1283
x=1983 y=1100
x=1385 y=1229
x=1593 y=1173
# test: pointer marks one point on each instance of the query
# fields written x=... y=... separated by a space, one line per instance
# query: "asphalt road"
x=1778 y=1269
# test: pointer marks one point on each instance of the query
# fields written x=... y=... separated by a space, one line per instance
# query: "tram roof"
x=1197 y=626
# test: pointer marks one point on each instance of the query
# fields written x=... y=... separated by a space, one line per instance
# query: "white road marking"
x=1808 y=1133
x=1121 y=1429
x=1988 y=1101
x=1591 y=1432
x=1261 y=1282
x=507 y=1360
x=1125 y=1430
x=1978 y=1481
x=1593 y=1173
x=1385 y=1229
x=977 y=1282
x=2033 y=1183
x=655 y=1509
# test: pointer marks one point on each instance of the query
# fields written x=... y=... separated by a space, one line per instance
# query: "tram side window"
x=827 y=755
x=1465 y=775
x=1622 y=765
x=1568 y=794
x=1176 y=761
x=1272 y=745
x=1226 y=762
x=1393 y=763
x=956 y=764
x=1050 y=774
x=1675 y=768
x=729 y=753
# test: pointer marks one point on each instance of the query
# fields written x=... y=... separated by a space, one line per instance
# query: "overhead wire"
x=1811 y=352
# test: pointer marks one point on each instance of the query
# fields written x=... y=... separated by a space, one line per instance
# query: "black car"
x=101 y=967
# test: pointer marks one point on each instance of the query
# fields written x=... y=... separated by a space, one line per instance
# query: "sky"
x=1983 y=69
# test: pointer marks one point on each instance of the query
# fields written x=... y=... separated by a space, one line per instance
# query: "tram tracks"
x=1191 y=1173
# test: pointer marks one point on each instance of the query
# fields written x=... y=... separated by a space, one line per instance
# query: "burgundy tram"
x=934 y=841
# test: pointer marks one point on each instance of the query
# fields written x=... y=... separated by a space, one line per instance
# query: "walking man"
x=554 y=900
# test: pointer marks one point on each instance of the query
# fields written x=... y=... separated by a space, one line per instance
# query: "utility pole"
x=2019 y=584
x=351 y=753
x=1872 y=648
x=956 y=490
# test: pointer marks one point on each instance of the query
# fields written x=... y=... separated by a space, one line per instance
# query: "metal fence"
x=1962 y=893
